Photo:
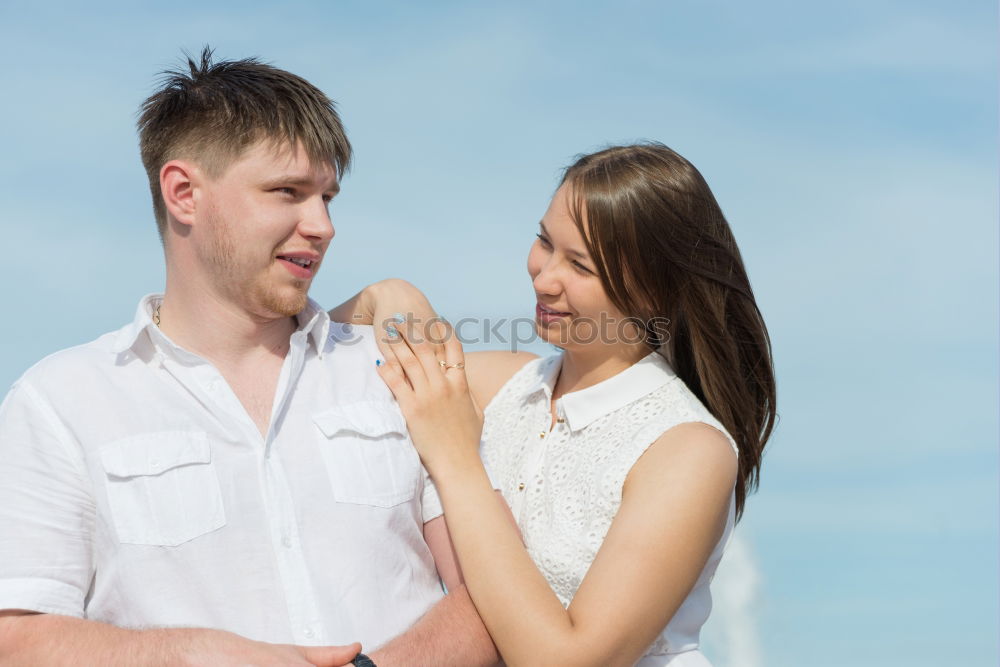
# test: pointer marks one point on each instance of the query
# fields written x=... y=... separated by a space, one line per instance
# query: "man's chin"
x=287 y=304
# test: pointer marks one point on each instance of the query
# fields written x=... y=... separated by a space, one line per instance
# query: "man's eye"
x=286 y=191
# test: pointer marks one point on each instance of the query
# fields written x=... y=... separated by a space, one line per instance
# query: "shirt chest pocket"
x=368 y=454
x=162 y=488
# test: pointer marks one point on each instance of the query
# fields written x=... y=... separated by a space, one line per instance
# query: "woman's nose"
x=547 y=280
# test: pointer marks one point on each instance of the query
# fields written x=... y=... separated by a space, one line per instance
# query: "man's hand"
x=224 y=648
x=26 y=638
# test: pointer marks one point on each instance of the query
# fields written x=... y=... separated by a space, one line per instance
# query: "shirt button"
x=560 y=420
x=286 y=542
x=520 y=487
x=542 y=434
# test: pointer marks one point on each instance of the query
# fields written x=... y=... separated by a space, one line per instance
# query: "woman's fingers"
x=394 y=376
x=383 y=339
x=423 y=345
x=412 y=359
x=415 y=329
x=453 y=348
x=437 y=331
x=455 y=358
x=411 y=365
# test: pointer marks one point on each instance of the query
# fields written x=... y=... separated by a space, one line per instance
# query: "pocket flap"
x=153 y=453
x=370 y=419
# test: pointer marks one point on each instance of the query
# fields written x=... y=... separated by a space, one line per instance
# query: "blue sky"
x=852 y=145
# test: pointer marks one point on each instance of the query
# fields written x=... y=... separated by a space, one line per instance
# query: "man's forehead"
x=279 y=158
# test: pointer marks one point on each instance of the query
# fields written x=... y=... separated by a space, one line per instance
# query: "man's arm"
x=46 y=515
x=451 y=634
x=27 y=638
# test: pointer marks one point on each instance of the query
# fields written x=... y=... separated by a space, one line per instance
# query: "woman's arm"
x=378 y=303
x=674 y=508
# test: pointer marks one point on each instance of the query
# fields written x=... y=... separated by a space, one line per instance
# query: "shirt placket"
x=279 y=507
x=303 y=609
x=530 y=481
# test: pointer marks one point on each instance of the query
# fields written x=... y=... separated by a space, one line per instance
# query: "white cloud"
x=731 y=638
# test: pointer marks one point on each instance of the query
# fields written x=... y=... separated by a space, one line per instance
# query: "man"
x=226 y=480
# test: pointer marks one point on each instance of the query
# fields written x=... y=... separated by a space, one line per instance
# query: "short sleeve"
x=46 y=510
x=430 y=502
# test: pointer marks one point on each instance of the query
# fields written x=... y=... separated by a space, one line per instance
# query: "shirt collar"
x=128 y=334
x=313 y=321
x=583 y=407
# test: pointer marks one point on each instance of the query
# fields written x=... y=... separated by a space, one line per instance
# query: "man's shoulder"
x=67 y=364
x=352 y=340
x=348 y=365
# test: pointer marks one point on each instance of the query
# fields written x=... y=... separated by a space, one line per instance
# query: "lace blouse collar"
x=581 y=408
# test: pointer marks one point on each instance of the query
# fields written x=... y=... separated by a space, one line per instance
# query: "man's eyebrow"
x=300 y=181
x=575 y=253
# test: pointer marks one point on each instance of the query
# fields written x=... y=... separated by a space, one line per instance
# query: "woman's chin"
x=553 y=333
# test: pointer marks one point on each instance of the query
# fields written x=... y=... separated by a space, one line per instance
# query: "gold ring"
x=445 y=365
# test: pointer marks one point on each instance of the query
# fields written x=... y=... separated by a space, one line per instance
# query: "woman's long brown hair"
x=663 y=249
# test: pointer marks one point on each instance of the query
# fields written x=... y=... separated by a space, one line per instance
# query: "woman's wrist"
x=462 y=464
x=389 y=286
x=393 y=294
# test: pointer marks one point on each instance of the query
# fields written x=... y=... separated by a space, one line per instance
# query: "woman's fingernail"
x=378 y=362
x=399 y=317
x=391 y=330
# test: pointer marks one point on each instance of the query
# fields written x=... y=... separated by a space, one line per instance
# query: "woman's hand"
x=444 y=422
x=386 y=305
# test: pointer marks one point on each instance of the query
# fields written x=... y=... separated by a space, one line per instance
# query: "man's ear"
x=178 y=182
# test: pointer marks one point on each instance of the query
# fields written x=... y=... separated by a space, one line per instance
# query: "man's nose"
x=316 y=223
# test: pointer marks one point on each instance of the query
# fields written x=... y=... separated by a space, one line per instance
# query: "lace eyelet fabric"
x=564 y=480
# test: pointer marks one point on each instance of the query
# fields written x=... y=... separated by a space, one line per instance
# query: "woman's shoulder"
x=490 y=370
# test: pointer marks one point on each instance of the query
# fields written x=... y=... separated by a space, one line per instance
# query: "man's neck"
x=221 y=331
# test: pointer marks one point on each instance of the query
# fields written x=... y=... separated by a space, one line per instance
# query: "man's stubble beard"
x=243 y=286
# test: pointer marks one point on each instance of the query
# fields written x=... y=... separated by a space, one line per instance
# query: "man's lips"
x=300 y=264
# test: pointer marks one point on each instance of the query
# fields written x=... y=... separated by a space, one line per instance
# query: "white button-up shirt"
x=136 y=490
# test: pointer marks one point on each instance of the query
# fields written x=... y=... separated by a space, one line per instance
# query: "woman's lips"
x=547 y=315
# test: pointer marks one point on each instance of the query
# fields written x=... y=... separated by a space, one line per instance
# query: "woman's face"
x=572 y=308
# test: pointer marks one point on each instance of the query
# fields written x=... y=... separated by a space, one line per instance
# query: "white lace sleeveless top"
x=564 y=485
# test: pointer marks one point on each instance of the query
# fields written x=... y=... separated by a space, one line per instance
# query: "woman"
x=625 y=459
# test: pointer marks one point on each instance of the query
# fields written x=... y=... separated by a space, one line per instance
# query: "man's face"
x=264 y=228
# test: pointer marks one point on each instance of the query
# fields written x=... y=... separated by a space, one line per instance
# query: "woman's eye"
x=544 y=241
x=581 y=268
